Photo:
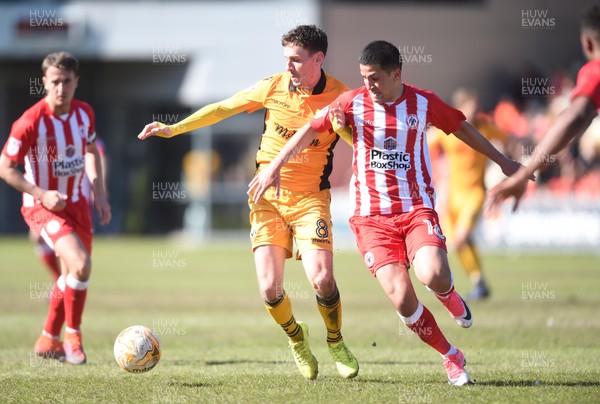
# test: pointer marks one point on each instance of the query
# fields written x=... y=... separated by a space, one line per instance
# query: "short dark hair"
x=381 y=53
x=310 y=37
x=591 y=20
x=62 y=60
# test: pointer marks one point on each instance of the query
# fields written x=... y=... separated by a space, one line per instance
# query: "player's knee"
x=436 y=273
x=400 y=296
x=431 y=263
x=272 y=294
x=323 y=282
x=81 y=268
x=269 y=289
x=438 y=281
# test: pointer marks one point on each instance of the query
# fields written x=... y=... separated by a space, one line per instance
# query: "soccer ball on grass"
x=137 y=349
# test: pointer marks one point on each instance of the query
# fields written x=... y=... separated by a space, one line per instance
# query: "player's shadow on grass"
x=388 y=362
x=194 y=385
x=218 y=363
x=242 y=361
x=373 y=379
x=537 y=383
x=239 y=362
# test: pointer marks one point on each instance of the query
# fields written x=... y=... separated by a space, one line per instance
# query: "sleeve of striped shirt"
x=91 y=136
x=322 y=123
x=442 y=115
x=19 y=140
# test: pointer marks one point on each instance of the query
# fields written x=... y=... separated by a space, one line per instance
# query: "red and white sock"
x=452 y=302
x=422 y=323
x=452 y=351
x=75 y=295
x=56 y=309
x=446 y=295
x=48 y=257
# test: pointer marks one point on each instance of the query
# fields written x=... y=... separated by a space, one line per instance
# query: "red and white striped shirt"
x=391 y=167
x=52 y=148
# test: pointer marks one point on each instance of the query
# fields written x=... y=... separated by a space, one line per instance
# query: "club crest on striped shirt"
x=390 y=143
x=412 y=121
x=13 y=147
x=70 y=151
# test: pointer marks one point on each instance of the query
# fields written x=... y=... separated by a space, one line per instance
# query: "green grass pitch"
x=536 y=339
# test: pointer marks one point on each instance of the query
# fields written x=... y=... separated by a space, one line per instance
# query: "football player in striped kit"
x=52 y=140
x=394 y=222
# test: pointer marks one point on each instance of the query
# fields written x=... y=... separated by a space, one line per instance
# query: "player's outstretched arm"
x=270 y=175
x=471 y=136
x=205 y=116
x=570 y=123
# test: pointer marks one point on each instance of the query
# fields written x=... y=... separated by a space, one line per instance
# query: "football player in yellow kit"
x=300 y=211
x=466 y=189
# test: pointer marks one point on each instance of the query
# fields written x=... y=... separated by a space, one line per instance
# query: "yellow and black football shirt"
x=287 y=109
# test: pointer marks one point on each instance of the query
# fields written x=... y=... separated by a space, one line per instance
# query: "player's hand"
x=103 y=209
x=155 y=129
x=510 y=167
x=53 y=200
x=337 y=118
x=512 y=187
x=263 y=181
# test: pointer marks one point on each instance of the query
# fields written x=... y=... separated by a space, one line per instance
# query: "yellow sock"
x=469 y=257
x=281 y=311
x=331 y=311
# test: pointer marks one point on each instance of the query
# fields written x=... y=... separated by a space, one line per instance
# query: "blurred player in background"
x=570 y=123
x=466 y=189
x=53 y=139
x=394 y=222
x=301 y=212
x=44 y=251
